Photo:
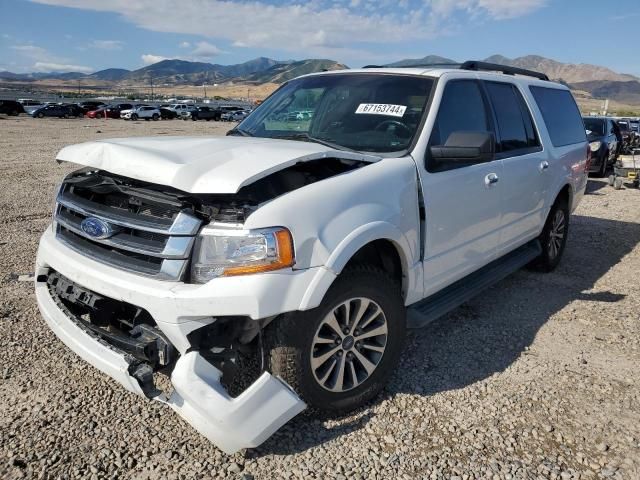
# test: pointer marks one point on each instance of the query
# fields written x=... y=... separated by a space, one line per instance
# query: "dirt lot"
x=537 y=378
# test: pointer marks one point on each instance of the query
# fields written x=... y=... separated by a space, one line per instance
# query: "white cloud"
x=60 y=67
x=313 y=27
x=206 y=50
x=107 y=44
x=32 y=51
x=149 y=58
x=184 y=45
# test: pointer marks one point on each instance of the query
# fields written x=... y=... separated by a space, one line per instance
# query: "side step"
x=431 y=308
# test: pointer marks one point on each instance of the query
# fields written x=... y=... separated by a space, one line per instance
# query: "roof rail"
x=496 y=67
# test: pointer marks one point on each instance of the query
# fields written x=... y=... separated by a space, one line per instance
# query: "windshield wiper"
x=305 y=137
x=238 y=132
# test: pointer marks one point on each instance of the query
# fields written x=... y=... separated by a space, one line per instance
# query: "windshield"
x=594 y=125
x=623 y=126
x=365 y=112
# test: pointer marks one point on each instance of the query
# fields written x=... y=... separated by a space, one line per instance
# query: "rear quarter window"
x=560 y=114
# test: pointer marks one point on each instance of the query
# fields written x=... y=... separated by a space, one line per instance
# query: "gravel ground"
x=536 y=378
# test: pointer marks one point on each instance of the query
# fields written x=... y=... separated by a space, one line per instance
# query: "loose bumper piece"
x=230 y=423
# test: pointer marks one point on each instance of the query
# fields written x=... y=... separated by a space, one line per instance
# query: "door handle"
x=491 y=179
x=544 y=165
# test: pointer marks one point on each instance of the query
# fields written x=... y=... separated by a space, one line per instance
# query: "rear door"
x=525 y=166
x=463 y=203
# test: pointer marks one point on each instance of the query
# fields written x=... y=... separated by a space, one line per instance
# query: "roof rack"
x=496 y=67
x=473 y=65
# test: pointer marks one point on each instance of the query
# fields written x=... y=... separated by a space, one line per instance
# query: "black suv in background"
x=605 y=142
x=11 y=107
x=204 y=113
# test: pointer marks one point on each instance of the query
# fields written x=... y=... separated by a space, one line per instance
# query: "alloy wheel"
x=348 y=344
x=556 y=234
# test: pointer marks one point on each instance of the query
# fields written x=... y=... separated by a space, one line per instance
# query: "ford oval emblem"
x=96 y=228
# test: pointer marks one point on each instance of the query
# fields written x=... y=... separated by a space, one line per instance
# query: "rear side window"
x=517 y=135
x=461 y=109
x=561 y=115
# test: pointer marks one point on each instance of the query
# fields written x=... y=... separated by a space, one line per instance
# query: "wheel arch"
x=379 y=244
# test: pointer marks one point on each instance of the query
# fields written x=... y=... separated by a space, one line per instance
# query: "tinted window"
x=461 y=109
x=513 y=134
x=560 y=114
x=595 y=125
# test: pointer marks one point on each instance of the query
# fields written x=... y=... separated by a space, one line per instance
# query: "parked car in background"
x=146 y=112
x=126 y=111
x=235 y=116
x=166 y=114
x=74 y=110
x=110 y=111
x=90 y=105
x=30 y=105
x=181 y=108
x=11 y=107
x=311 y=247
x=203 y=113
x=603 y=143
x=55 y=110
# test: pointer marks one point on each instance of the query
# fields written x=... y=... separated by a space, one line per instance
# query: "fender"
x=347 y=248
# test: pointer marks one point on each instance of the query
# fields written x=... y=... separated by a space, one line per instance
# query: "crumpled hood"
x=199 y=164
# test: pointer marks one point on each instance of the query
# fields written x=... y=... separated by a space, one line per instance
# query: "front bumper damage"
x=198 y=395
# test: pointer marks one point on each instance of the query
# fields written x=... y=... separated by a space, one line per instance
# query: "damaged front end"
x=115 y=281
x=124 y=342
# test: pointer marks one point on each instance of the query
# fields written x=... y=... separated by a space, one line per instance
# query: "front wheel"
x=155 y=117
x=553 y=237
x=134 y=116
x=341 y=354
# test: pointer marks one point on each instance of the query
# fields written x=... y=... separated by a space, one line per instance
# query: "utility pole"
x=151 y=80
x=204 y=85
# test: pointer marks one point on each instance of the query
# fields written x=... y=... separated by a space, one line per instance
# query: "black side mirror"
x=465 y=147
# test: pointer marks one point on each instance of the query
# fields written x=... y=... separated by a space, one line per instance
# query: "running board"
x=433 y=307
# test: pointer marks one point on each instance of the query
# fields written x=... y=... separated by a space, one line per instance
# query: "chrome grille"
x=150 y=238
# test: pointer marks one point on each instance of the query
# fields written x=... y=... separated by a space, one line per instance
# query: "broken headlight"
x=221 y=252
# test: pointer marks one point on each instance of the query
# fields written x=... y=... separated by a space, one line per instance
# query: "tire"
x=134 y=116
x=552 y=245
x=291 y=342
x=611 y=180
x=41 y=115
x=14 y=113
x=194 y=118
x=155 y=117
x=66 y=115
x=602 y=171
x=617 y=184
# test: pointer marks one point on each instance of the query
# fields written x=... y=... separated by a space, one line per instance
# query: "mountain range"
x=590 y=80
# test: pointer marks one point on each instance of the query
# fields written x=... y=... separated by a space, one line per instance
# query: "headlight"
x=227 y=252
x=595 y=146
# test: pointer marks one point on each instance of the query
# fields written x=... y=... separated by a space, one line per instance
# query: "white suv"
x=310 y=242
x=146 y=112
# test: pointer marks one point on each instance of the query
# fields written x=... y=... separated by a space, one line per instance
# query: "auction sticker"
x=382 y=109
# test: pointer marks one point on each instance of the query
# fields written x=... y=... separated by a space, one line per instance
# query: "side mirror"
x=465 y=147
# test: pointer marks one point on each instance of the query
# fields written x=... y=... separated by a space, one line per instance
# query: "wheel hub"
x=348 y=342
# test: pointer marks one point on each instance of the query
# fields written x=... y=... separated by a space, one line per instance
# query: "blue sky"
x=89 y=35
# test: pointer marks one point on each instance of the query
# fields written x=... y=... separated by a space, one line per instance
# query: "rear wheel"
x=611 y=180
x=341 y=354
x=553 y=237
x=155 y=117
x=134 y=116
x=41 y=115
